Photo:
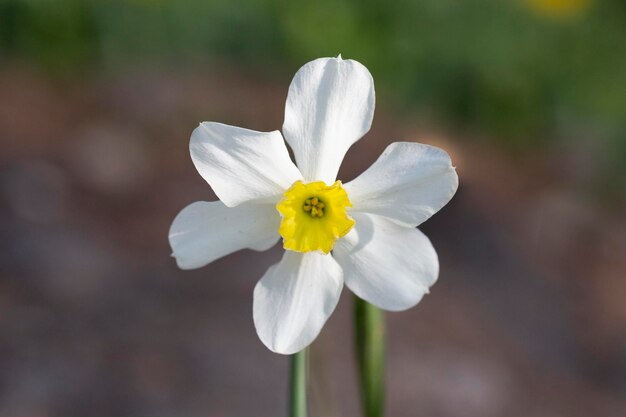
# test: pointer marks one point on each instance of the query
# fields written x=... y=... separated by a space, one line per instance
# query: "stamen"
x=314 y=206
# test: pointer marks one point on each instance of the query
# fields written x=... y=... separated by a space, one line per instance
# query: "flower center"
x=314 y=216
x=314 y=206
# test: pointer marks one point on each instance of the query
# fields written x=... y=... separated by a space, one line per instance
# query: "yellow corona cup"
x=314 y=216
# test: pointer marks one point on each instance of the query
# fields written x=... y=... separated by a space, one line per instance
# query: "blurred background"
x=97 y=103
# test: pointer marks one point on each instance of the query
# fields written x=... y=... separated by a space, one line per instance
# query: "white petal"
x=205 y=231
x=240 y=164
x=408 y=183
x=330 y=106
x=294 y=299
x=386 y=264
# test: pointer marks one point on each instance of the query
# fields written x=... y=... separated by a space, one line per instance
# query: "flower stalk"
x=370 y=349
x=298 y=384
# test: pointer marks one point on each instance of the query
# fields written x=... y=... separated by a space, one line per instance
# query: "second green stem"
x=370 y=348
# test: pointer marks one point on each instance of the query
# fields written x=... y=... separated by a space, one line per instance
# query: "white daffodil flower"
x=362 y=233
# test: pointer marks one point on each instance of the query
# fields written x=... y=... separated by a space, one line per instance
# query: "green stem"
x=298 y=384
x=370 y=349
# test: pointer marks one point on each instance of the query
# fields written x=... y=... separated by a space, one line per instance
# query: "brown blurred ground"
x=528 y=317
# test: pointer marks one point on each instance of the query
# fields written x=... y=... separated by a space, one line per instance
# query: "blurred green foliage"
x=504 y=67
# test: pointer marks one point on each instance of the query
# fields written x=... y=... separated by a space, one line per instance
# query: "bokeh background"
x=97 y=102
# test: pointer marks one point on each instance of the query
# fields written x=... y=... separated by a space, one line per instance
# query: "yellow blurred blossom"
x=559 y=9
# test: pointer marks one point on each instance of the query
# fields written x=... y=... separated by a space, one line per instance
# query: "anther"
x=314 y=207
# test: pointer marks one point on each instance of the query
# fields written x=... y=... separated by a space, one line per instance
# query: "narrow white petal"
x=386 y=264
x=294 y=299
x=240 y=164
x=408 y=183
x=205 y=231
x=330 y=106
